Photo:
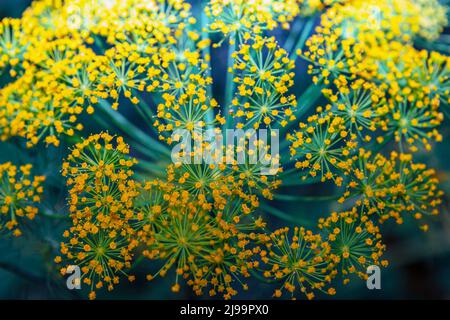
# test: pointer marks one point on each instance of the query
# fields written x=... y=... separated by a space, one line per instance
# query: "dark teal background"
x=420 y=263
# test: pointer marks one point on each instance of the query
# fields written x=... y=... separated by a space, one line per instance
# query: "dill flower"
x=358 y=104
x=310 y=7
x=238 y=19
x=159 y=22
x=386 y=57
x=401 y=20
x=123 y=73
x=186 y=238
x=113 y=20
x=209 y=183
x=411 y=114
x=187 y=112
x=12 y=45
x=64 y=58
x=101 y=202
x=32 y=115
x=98 y=173
x=380 y=19
x=393 y=186
x=355 y=242
x=345 y=38
x=103 y=254
x=44 y=102
x=227 y=268
x=330 y=55
x=151 y=201
x=323 y=145
x=234 y=202
x=432 y=18
x=169 y=70
x=404 y=70
x=228 y=265
x=196 y=178
x=299 y=261
x=96 y=157
x=416 y=186
x=153 y=51
x=433 y=74
x=177 y=71
x=60 y=77
x=224 y=178
x=19 y=195
x=412 y=125
x=369 y=183
x=259 y=178
x=104 y=202
x=263 y=75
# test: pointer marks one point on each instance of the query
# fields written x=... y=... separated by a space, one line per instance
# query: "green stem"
x=303 y=37
x=283 y=216
x=300 y=198
x=304 y=103
x=48 y=214
x=136 y=145
x=145 y=111
x=290 y=41
x=156 y=169
x=256 y=275
x=131 y=130
x=137 y=262
x=99 y=43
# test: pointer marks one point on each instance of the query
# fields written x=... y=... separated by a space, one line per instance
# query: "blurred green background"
x=419 y=262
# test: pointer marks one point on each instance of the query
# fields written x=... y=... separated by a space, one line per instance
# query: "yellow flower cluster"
x=346 y=48
x=321 y=145
x=20 y=194
x=240 y=19
x=263 y=75
x=12 y=44
x=355 y=242
x=44 y=98
x=100 y=240
x=177 y=222
x=55 y=76
x=222 y=186
x=393 y=186
x=209 y=252
x=199 y=221
x=195 y=224
x=311 y=7
x=381 y=87
x=301 y=261
x=360 y=105
x=432 y=18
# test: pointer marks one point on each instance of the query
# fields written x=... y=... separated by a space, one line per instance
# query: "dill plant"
x=379 y=92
